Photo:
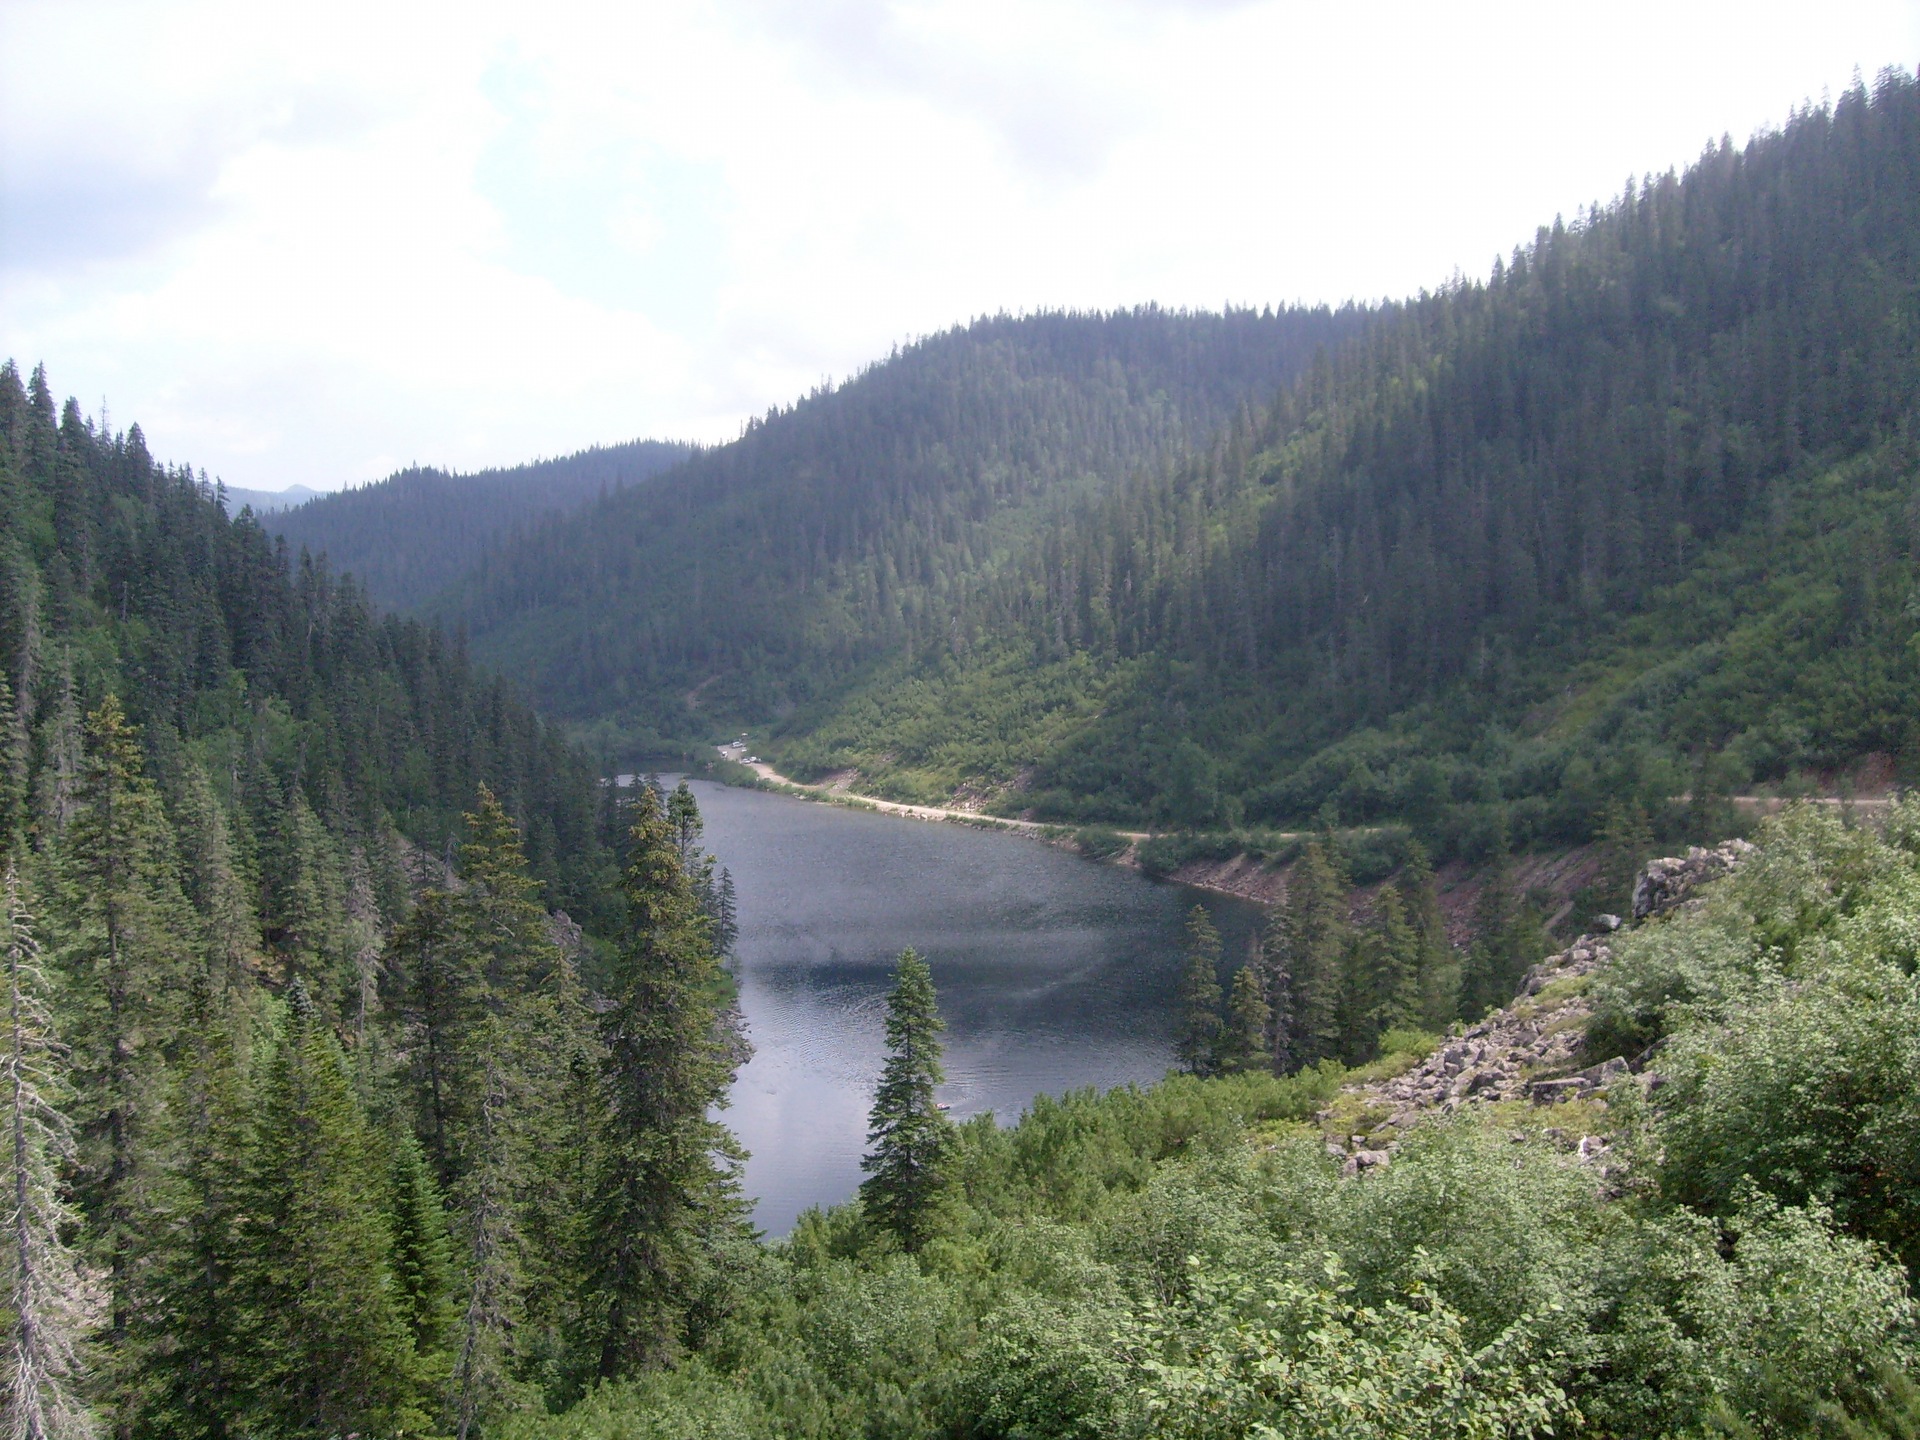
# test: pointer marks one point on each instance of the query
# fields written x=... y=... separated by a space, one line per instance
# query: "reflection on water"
x=1053 y=973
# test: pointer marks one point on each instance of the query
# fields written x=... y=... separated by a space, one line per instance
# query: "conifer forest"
x=368 y=1034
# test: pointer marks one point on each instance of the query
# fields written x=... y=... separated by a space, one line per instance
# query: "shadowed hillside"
x=412 y=533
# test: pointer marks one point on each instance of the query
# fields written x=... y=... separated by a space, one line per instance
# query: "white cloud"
x=304 y=250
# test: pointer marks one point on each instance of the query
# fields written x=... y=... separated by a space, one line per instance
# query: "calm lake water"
x=1053 y=972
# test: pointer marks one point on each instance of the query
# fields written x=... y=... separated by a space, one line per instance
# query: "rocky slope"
x=1532 y=1051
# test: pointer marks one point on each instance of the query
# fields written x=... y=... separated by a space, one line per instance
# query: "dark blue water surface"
x=1053 y=973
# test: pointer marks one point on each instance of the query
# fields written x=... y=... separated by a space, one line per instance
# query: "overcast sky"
x=311 y=250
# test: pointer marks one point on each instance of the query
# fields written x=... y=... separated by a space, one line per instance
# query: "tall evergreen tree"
x=328 y=1349
x=439 y=1003
x=1199 y=1040
x=1244 y=1042
x=214 y=879
x=191 y=1335
x=1625 y=844
x=1316 y=950
x=1439 y=980
x=43 y=1290
x=1277 y=973
x=122 y=946
x=667 y=1193
x=13 y=768
x=422 y=1254
x=908 y=1134
x=1393 y=954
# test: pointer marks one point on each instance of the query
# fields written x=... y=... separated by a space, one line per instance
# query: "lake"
x=1053 y=973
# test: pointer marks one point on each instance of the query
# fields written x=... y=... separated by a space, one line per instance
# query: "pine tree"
x=1244 y=1042
x=13 y=769
x=908 y=1133
x=525 y=1042
x=1392 y=952
x=122 y=925
x=486 y=1202
x=668 y=1191
x=726 y=918
x=46 y=1296
x=61 y=749
x=499 y=908
x=1316 y=949
x=189 y=1322
x=1277 y=972
x=214 y=879
x=439 y=1003
x=422 y=1254
x=1439 y=979
x=363 y=936
x=1199 y=1039
x=326 y=1342
x=306 y=906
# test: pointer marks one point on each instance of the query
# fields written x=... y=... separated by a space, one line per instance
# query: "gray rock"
x=1552 y=1092
x=1666 y=883
x=1605 y=1073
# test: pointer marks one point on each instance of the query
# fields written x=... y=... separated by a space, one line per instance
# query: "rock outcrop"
x=1530 y=1051
x=1665 y=884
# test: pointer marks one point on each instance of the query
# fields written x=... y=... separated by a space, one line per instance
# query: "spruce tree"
x=486 y=1203
x=1244 y=1041
x=667 y=1191
x=189 y=1325
x=1276 y=970
x=1439 y=977
x=422 y=1254
x=122 y=928
x=306 y=910
x=13 y=769
x=1393 y=956
x=43 y=1291
x=326 y=1340
x=526 y=1039
x=1316 y=949
x=908 y=1134
x=439 y=1003
x=1199 y=1039
x=214 y=879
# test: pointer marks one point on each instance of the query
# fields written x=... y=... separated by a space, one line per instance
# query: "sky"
x=309 y=244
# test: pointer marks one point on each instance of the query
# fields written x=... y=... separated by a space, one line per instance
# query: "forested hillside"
x=1632 y=518
x=408 y=536
x=318 y=1118
x=861 y=520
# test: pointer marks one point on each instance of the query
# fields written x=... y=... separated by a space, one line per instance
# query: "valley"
x=1494 y=1013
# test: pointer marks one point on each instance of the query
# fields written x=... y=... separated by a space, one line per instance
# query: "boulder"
x=1666 y=883
x=1552 y=1092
